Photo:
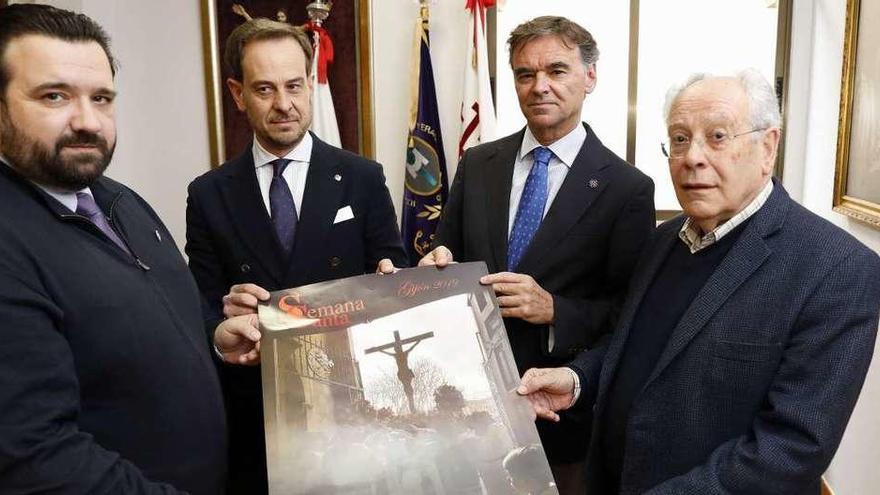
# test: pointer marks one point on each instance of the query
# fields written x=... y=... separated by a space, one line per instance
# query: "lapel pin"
x=158 y=235
x=594 y=183
x=337 y=177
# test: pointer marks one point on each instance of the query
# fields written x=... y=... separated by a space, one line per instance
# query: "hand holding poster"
x=397 y=383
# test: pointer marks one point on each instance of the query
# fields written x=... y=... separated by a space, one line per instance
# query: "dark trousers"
x=570 y=478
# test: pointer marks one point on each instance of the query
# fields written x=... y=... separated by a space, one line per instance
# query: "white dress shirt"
x=565 y=150
x=295 y=173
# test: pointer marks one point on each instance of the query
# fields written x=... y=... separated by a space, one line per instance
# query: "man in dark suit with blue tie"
x=558 y=218
x=749 y=327
x=291 y=210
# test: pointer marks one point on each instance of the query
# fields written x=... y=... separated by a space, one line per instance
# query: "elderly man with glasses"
x=749 y=327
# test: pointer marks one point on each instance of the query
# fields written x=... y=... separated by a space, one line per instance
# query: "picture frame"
x=350 y=74
x=857 y=169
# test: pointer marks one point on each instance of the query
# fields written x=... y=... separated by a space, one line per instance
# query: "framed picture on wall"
x=349 y=74
x=857 y=175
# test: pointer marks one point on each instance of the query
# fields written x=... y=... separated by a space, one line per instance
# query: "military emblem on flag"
x=426 y=179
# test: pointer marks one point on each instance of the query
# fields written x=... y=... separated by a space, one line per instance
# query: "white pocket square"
x=343 y=214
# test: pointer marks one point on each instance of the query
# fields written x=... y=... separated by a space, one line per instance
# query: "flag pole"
x=324 y=124
x=478 y=123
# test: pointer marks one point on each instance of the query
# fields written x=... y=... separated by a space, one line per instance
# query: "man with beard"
x=291 y=210
x=108 y=384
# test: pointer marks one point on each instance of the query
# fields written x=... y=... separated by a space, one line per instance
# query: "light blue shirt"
x=565 y=150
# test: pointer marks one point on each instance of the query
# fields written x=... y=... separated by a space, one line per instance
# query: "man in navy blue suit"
x=558 y=218
x=108 y=384
x=290 y=210
x=749 y=326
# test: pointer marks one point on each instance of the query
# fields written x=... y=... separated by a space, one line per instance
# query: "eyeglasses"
x=677 y=146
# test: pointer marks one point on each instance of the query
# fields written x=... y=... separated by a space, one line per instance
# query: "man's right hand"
x=439 y=256
x=549 y=390
x=243 y=299
x=386 y=267
x=238 y=340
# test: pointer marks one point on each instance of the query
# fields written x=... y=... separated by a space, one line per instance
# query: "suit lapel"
x=644 y=278
x=321 y=200
x=744 y=258
x=573 y=199
x=244 y=202
x=498 y=178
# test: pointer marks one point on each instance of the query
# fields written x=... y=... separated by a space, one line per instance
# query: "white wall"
x=811 y=144
x=161 y=109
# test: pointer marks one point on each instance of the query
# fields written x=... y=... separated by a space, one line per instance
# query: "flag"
x=425 y=179
x=323 y=113
x=477 y=109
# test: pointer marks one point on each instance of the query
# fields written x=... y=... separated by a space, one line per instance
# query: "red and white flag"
x=323 y=113
x=477 y=109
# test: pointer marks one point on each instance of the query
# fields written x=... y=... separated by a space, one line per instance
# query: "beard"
x=46 y=166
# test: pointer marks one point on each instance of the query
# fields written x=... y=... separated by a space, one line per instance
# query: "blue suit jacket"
x=583 y=253
x=755 y=386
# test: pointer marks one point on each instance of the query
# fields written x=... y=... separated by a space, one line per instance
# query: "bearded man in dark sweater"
x=108 y=384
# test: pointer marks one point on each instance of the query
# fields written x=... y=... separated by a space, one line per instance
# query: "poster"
x=400 y=384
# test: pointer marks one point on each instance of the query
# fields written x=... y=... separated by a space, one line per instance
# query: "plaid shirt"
x=691 y=236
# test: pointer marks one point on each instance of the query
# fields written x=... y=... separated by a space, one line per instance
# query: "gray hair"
x=763 y=104
x=570 y=32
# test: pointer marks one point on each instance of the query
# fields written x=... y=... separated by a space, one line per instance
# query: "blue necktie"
x=531 y=208
x=281 y=206
x=86 y=207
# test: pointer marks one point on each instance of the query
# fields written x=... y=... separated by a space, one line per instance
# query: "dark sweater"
x=108 y=385
x=677 y=283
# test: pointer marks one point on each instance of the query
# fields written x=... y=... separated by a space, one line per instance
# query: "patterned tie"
x=281 y=206
x=86 y=206
x=531 y=208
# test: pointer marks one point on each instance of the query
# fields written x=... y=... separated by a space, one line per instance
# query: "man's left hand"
x=521 y=297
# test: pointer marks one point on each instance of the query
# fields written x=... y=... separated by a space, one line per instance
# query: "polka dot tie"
x=531 y=208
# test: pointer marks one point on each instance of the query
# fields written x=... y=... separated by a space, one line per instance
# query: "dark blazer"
x=582 y=254
x=108 y=385
x=757 y=382
x=230 y=240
